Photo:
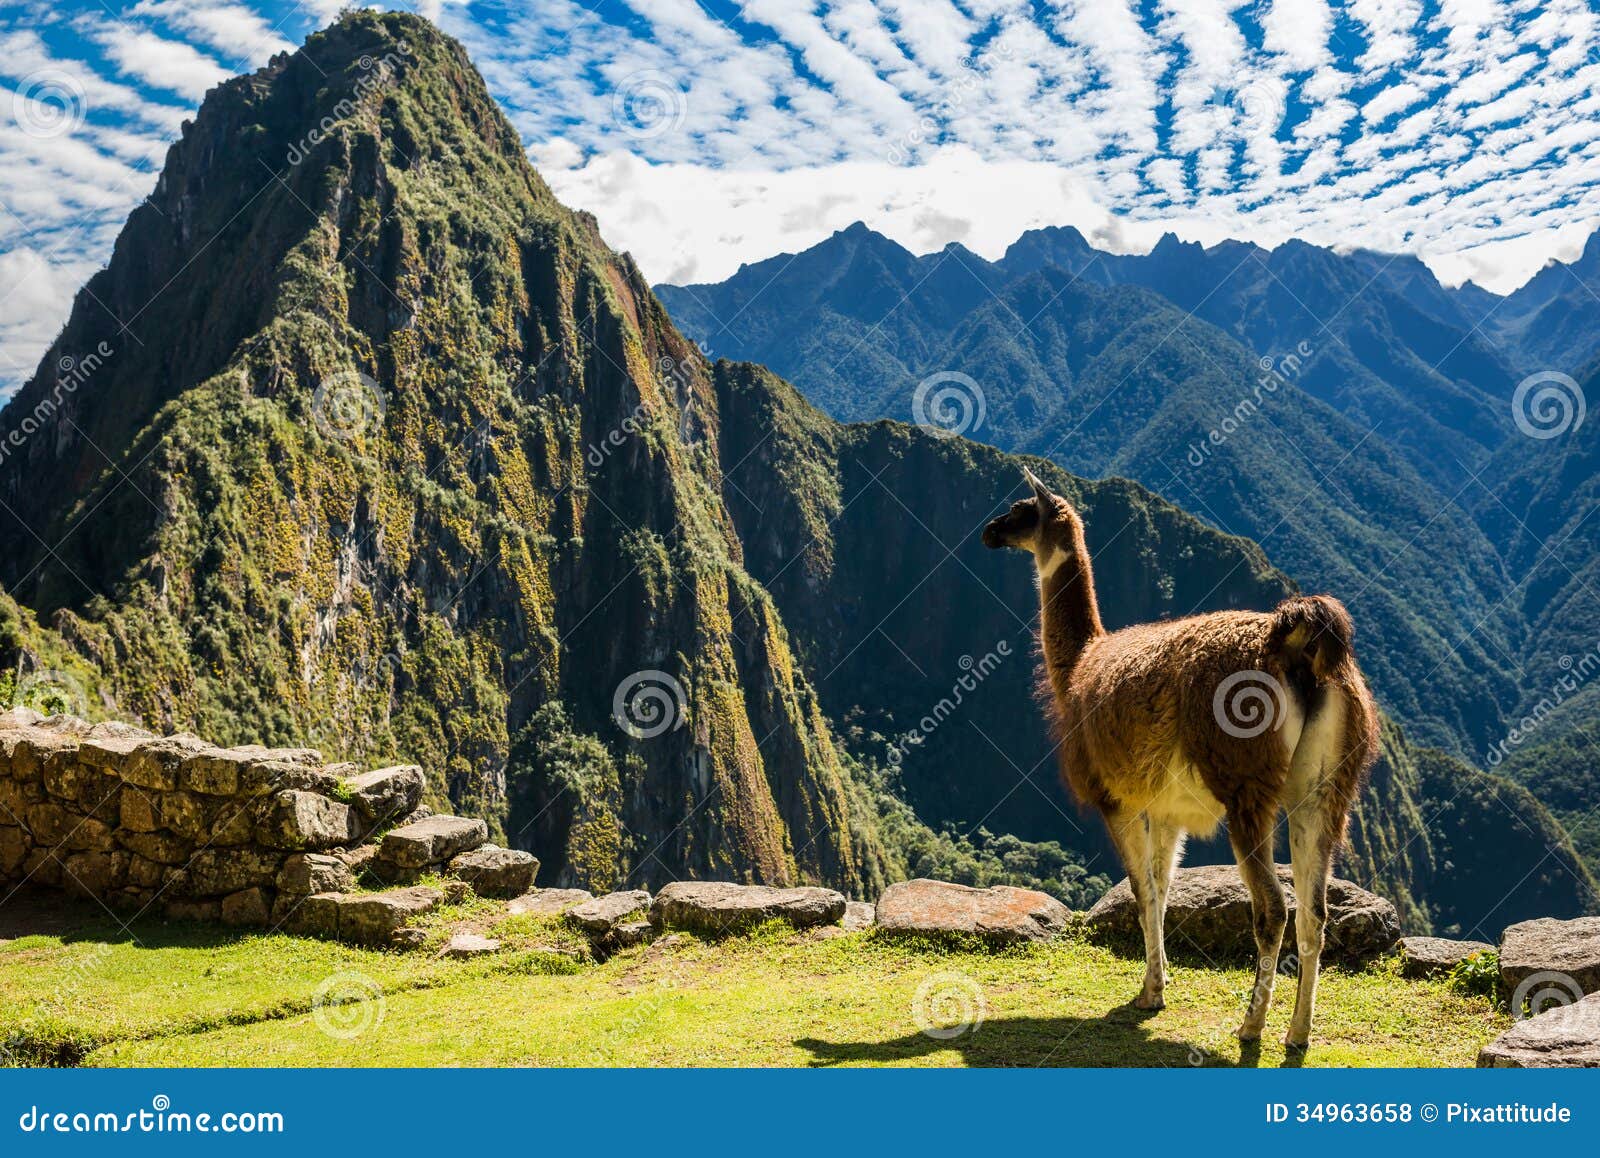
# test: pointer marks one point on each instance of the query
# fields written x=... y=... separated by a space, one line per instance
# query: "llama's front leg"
x=1251 y=837
x=1166 y=846
x=1311 y=841
x=1133 y=836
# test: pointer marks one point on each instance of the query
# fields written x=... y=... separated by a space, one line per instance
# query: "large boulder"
x=711 y=908
x=1208 y=911
x=496 y=872
x=1001 y=915
x=304 y=820
x=432 y=841
x=372 y=918
x=1548 y=954
x=603 y=914
x=1435 y=956
x=385 y=794
x=1564 y=1036
x=305 y=873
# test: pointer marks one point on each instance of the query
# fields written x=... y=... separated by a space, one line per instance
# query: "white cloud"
x=168 y=64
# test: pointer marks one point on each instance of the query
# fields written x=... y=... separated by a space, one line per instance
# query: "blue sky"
x=707 y=133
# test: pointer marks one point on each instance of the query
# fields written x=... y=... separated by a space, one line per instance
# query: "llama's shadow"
x=1117 y=1038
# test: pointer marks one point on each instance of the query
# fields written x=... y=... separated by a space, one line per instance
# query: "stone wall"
x=176 y=825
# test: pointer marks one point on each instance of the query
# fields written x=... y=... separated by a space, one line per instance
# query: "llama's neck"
x=1069 y=613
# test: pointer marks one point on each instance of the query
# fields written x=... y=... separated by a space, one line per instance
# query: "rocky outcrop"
x=1560 y=959
x=1000 y=915
x=1563 y=1036
x=714 y=909
x=1208 y=912
x=603 y=914
x=1436 y=956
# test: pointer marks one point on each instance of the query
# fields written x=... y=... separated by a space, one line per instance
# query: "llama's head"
x=1045 y=524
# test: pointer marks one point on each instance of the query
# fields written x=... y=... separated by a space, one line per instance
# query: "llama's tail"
x=1312 y=635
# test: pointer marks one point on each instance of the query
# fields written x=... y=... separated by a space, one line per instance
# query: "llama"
x=1168 y=728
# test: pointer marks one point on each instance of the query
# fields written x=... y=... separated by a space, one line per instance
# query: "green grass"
x=190 y=996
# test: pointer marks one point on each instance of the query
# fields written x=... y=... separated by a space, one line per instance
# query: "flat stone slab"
x=603 y=914
x=1001 y=914
x=374 y=917
x=548 y=902
x=464 y=945
x=1570 y=950
x=1563 y=1036
x=1435 y=956
x=496 y=872
x=858 y=915
x=1208 y=911
x=432 y=841
x=711 y=908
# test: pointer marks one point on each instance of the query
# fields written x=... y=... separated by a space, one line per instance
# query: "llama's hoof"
x=1294 y=1041
x=1149 y=1001
x=1247 y=1033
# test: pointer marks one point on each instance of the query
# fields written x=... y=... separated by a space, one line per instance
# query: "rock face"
x=715 y=909
x=432 y=841
x=858 y=915
x=603 y=914
x=1567 y=953
x=305 y=873
x=1435 y=956
x=1563 y=1036
x=1000 y=915
x=496 y=872
x=1208 y=911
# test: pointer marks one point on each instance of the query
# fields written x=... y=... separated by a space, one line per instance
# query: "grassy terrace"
x=75 y=989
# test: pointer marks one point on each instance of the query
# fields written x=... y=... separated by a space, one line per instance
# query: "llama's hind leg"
x=1148 y=851
x=1311 y=849
x=1251 y=837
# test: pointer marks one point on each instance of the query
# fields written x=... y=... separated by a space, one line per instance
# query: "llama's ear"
x=1040 y=491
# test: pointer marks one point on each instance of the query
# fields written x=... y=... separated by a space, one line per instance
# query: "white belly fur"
x=1183 y=800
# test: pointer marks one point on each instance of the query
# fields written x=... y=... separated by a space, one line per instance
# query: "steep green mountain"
x=1111 y=379
x=363 y=439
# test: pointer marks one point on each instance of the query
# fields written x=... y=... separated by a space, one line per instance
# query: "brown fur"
x=1167 y=728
